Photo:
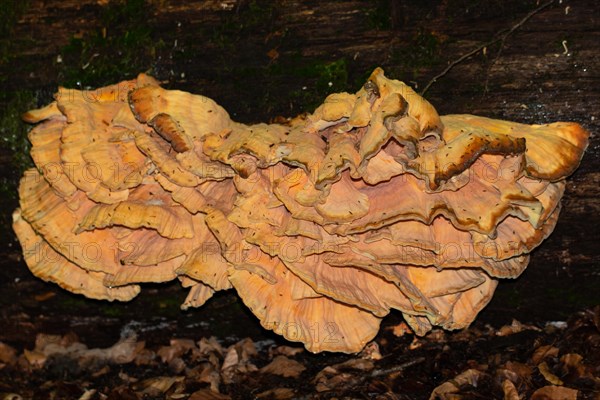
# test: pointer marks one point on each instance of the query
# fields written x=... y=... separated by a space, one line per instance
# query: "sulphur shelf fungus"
x=323 y=225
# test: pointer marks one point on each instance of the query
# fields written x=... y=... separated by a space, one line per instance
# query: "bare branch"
x=498 y=38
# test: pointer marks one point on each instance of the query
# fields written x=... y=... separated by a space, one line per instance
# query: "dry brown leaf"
x=209 y=374
x=548 y=375
x=523 y=371
x=515 y=327
x=596 y=317
x=283 y=366
x=10 y=396
x=288 y=351
x=206 y=394
x=88 y=394
x=401 y=329
x=510 y=391
x=246 y=348
x=210 y=345
x=8 y=355
x=277 y=394
x=122 y=352
x=232 y=359
x=371 y=352
x=346 y=374
x=44 y=296
x=572 y=366
x=359 y=364
x=177 y=348
x=177 y=365
x=554 y=393
x=543 y=352
x=327 y=383
x=273 y=54
x=237 y=360
x=145 y=357
x=102 y=371
x=447 y=389
x=158 y=385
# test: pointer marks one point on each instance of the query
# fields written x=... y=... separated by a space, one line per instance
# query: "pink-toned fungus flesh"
x=374 y=202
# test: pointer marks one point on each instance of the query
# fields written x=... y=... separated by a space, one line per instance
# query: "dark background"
x=264 y=59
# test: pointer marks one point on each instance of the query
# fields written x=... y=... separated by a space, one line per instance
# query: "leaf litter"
x=516 y=361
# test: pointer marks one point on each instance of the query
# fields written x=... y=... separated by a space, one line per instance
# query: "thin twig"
x=396 y=368
x=502 y=38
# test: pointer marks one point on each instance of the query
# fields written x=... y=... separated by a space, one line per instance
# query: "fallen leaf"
x=158 y=385
x=516 y=327
x=246 y=349
x=510 y=391
x=277 y=394
x=177 y=365
x=176 y=348
x=371 y=352
x=210 y=345
x=596 y=317
x=88 y=394
x=122 y=352
x=102 y=371
x=273 y=54
x=524 y=371
x=359 y=364
x=44 y=296
x=401 y=329
x=283 y=366
x=327 y=383
x=446 y=389
x=554 y=393
x=237 y=360
x=10 y=396
x=8 y=355
x=544 y=352
x=346 y=374
x=210 y=375
x=286 y=351
x=231 y=359
x=144 y=357
x=415 y=344
x=573 y=367
x=207 y=394
x=548 y=375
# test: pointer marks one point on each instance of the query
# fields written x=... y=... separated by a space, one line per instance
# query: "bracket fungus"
x=323 y=225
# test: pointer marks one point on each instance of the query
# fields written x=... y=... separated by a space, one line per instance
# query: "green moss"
x=421 y=52
x=69 y=301
x=114 y=310
x=379 y=17
x=480 y=9
x=320 y=78
x=10 y=12
x=572 y=296
x=13 y=138
x=120 y=48
x=235 y=26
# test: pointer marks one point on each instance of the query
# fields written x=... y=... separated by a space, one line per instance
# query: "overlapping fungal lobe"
x=323 y=225
x=98 y=216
